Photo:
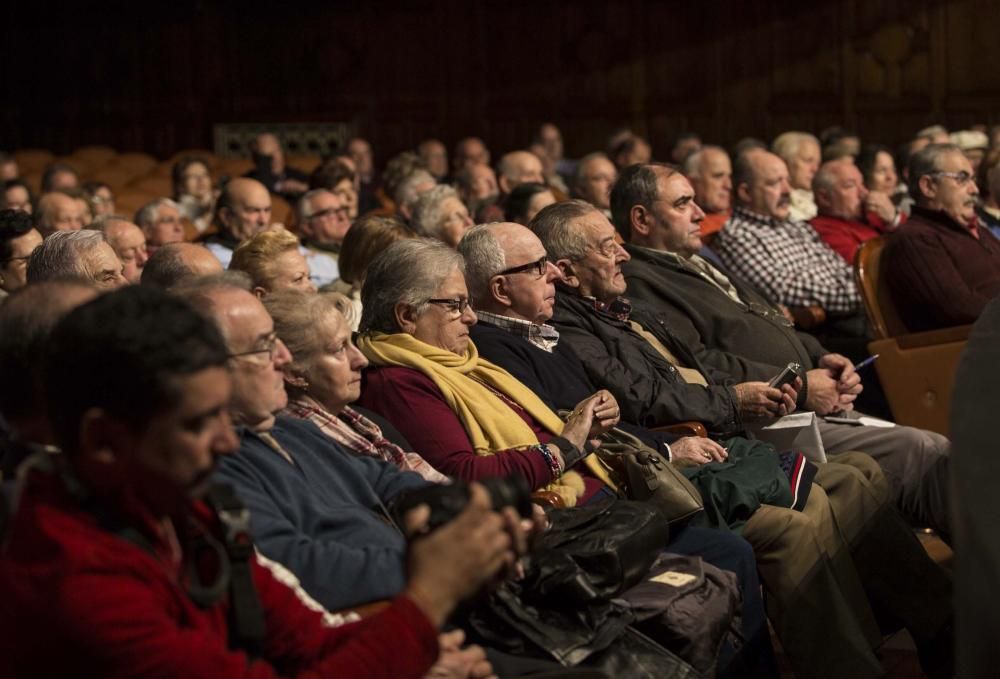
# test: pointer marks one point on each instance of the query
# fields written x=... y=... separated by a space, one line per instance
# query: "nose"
x=358 y=360
x=469 y=316
x=141 y=257
x=699 y=214
x=282 y=356
x=552 y=273
x=623 y=255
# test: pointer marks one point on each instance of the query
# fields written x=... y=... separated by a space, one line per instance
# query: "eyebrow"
x=683 y=200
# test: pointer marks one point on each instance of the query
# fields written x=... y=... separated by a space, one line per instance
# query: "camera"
x=447 y=501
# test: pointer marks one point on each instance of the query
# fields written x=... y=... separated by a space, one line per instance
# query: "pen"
x=867 y=361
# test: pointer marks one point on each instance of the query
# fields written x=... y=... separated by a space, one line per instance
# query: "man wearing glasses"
x=323 y=221
x=944 y=266
x=18 y=237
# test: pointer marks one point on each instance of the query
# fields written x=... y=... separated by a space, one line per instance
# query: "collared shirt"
x=543 y=336
x=802 y=205
x=788 y=261
x=619 y=307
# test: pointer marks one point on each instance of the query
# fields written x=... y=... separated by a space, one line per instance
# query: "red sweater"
x=845 y=236
x=81 y=601
x=416 y=407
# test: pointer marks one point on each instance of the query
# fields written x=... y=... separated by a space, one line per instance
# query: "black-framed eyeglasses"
x=537 y=267
x=454 y=305
x=961 y=178
x=269 y=345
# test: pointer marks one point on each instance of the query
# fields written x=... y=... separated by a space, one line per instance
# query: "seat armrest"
x=683 y=429
x=928 y=338
x=547 y=498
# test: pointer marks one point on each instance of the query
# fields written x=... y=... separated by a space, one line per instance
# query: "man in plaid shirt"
x=783 y=258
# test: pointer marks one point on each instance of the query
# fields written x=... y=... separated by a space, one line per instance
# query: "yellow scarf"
x=488 y=421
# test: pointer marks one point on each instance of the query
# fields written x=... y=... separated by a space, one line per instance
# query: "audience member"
x=274 y=262
x=60 y=177
x=242 y=211
x=76 y=254
x=518 y=167
x=944 y=267
x=434 y=155
x=468 y=152
x=974 y=146
x=175 y=263
x=878 y=168
x=128 y=242
x=440 y=214
x=631 y=150
x=988 y=210
x=339 y=179
x=526 y=201
x=100 y=199
x=160 y=221
x=58 y=211
x=801 y=154
x=476 y=185
x=271 y=170
x=193 y=190
x=323 y=222
x=595 y=175
x=683 y=145
x=550 y=138
x=711 y=175
x=18 y=239
x=17 y=196
x=9 y=170
x=838 y=142
x=409 y=191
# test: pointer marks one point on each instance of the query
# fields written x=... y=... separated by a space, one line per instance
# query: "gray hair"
x=61 y=255
x=554 y=227
x=691 y=167
x=303 y=209
x=407 y=195
x=582 y=163
x=824 y=179
x=298 y=320
x=925 y=162
x=484 y=259
x=787 y=145
x=150 y=212
x=104 y=223
x=427 y=214
x=407 y=272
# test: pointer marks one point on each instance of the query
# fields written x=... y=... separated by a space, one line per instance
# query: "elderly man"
x=435 y=156
x=781 y=257
x=468 y=152
x=128 y=242
x=160 y=221
x=76 y=254
x=18 y=238
x=271 y=170
x=711 y=176
x=730 y=327
x=630 y=351
x=630 y=150
x=175 y=263
x=595 y=175
x=944 y=267
x=848 y=213
x=476 y=185
x=148 y=561
x=323 y=222
x=801 y=153
x=550 y=140
x=243 y=210
x=60 y=177
x=58 y=211
x=516 y=168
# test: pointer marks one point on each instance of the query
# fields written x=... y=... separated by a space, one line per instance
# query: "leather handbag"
x=646 y=475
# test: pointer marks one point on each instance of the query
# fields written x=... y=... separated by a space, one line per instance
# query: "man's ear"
x=928 y=187
x=103 y=438
x=743 y=193
x=225 y=216
x=498 y=291
x=569 y=275
x=503 y=184
x=294 y=379
x=259 y=292
x=639 y=220
x=406 y=317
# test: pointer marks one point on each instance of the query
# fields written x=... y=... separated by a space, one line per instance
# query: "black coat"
x=649 y=389
x=749 y=343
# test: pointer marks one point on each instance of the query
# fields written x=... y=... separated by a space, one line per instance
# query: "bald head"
x=519 y=167
x=595 y=176
x=761 y=182
x=244 y=208
x=711 y=176
x=58 y=212
x=177 y=262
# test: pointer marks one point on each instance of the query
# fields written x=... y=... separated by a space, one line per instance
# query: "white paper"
x=869 y=421
x=797 y=431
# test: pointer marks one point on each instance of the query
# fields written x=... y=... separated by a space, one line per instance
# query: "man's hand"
x=292 y=186
x=456 y=560
x=757 y=400
x=849 y=384
x=880 y=203
x=696 y=451
x=823 y=397
x=456 y=662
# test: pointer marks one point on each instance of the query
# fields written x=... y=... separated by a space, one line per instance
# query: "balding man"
x=58 y=211
x=242 y=211
x=76 y=254
x=519 y=167
x=175 y=263
x=943 y=268
x=595 y=175
x=476 y=185
x=711 y=175
x=782 y=257
x=801 y=153
x=848 y=213
x=128 y=242
x=468 y=152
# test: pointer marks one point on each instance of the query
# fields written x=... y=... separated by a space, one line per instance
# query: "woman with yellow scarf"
x=467 y=417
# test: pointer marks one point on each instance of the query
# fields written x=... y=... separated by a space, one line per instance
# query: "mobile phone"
x=786 y=376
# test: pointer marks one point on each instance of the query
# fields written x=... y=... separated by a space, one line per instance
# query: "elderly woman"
x=274 y=262
x=441 y=214
x=193 y=190
x=526 y=201
x=325 y=376
x=467 y=417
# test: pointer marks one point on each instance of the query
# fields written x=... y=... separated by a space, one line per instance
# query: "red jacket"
x=845 y=236
x=78 y=600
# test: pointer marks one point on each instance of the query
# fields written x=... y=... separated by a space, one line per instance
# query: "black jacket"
x=559 y=379
x=649 y=389
x=749 y=343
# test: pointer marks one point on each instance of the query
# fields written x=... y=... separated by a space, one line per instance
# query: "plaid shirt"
x=788 y=261
x=543 y=336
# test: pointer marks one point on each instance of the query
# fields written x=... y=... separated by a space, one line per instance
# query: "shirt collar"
x=743 y=213
x=620 y=307
x=541 y=335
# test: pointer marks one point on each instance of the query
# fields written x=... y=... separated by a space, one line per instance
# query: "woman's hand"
x=592 y=417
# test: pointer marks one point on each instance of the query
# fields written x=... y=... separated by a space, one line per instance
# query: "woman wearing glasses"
x=467 y=417
x=18 y=237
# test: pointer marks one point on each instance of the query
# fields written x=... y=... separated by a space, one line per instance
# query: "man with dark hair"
x=18 y=239
x=174 y=263
x=115 y=558
x=944 y=267
x=729 y=326
x=271 y=170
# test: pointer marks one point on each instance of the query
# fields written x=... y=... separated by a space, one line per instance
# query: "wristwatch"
x=570 y=453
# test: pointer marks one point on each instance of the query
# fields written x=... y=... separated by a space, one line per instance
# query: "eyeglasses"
x=456 y=305
x=537 y=267
x=270 y=344
x=961 y=178
x=330 y=212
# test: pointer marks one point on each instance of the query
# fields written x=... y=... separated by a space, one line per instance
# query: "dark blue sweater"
x=321 y=517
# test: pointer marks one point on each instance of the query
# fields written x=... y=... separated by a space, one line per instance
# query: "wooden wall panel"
x=138 y=79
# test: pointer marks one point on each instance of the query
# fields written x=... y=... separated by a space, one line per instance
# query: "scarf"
x=465 y=382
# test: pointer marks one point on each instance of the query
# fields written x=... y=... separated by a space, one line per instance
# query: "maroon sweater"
x=416 y=407
x=938 y=273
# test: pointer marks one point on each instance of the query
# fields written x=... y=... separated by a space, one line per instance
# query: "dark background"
x=156 y=77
